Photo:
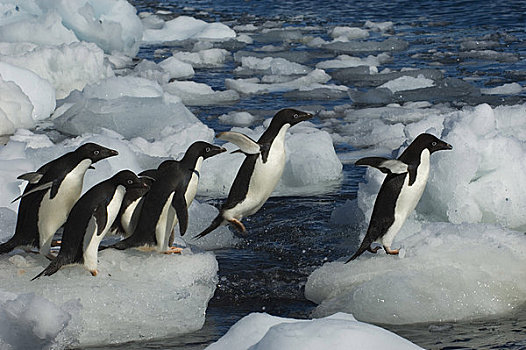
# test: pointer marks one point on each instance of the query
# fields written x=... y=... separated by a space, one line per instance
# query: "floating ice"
x=348 y=33
x=127 y=301
x=237 y=118
x=115 y=87
x=443 y=276
x=60 y=64
x=408 y=83
x=259 y=331
x=184 y=27
x=270 y=65
x=392 y=44
x=379 y=26
x=177 y=69
x=346 y=61
x=200 y=94
x=203 y=58
x=506 y=89
x=255 y=86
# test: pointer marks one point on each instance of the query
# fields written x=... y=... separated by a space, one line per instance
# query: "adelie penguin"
x=260 y=172
x=167 y=202
x=49 y=196
x=400 y=191
x=89 y=221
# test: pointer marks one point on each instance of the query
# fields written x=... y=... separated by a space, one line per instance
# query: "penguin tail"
x=8 y=246
x=215 y=224
x=366 y=245
x=53 y=267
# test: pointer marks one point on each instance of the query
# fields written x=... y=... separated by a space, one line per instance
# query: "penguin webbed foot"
x=390 y=251
x=94 y=272
x=173 y=250
x=238 y=225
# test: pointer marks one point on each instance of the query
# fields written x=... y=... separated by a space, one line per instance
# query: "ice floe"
x=339 y=331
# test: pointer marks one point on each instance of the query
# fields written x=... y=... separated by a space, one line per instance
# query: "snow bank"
x=127 y=301
x=446 y=272
x=340 y=331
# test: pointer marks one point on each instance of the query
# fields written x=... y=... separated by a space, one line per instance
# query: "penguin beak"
x=446 y=146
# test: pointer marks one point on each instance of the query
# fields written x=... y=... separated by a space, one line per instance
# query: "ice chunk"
x=200 y=94
x=116 y=87
x=237 y=118
x=442 y=277
x=392 y=44
x=379 y=26
x=46 y=29
x=38 y=90
x=177 y=69
x=60 y=65
x=29 y=321
x=270 y=65
x=112 y=24
x=506 y=89
x=15 y=108
x=130 y=282
x=408 y=83
x=339 y=331
x=203 y=58
x=184 y=27
x=146 y=117
x=361 y=76
x=348 y=33
x=346 y=61
x=254 y=86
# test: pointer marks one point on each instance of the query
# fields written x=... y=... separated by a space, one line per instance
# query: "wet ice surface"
x=374 y=85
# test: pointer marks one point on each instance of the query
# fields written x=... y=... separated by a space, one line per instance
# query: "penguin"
x=260 y=171
x=49 y=196
x=167 y=202
x=400 y=191
x=89 y=221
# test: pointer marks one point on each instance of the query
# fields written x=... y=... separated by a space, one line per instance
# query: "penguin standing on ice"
x=49 y=196
x=90 y=220
x=400 y=192
x=260 y=172
x=167 y=202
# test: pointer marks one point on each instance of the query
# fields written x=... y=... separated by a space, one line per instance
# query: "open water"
x=291 y=236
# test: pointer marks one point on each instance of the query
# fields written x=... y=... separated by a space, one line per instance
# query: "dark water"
x=291 y=236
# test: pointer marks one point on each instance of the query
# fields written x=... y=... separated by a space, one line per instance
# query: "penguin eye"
x=207 y=149
x=434 y=143
x=130 y=181
x=295 y=116
x=96 y=152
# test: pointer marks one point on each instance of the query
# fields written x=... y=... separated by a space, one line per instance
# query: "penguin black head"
x=95 y=152
x=289 y=116
x=202 y=149
x=129 y=180
x=430 y=142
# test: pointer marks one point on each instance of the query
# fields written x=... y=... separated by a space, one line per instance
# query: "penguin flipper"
x=53 y=267
x=385 y=165
x=245 y=143
x=42 y=187
x=365 y=246
x=32 y=177
x=101 y=218
x=181 y=209
x=215 y=224
x=8 y=246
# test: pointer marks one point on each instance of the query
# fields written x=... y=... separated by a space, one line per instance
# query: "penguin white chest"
x=165 y=224
x=265 y=175
x=53 y=212
x=92 y=239
x=191 y=190
x=408 y=198
x=129 y=217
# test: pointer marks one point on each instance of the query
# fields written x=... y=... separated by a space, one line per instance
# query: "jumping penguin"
x=260 y=172
x=89 y=221
x=49 y=196
x=400 y=192
x=167 y=202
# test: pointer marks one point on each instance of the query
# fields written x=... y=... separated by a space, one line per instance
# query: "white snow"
x=184 y=27
x=339 y=331
x=15 y=108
